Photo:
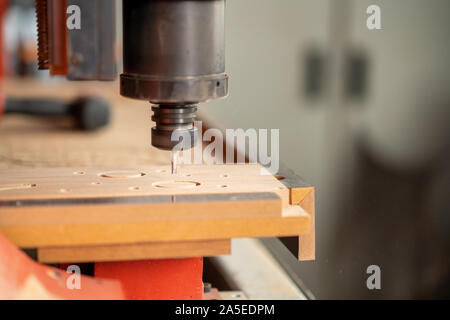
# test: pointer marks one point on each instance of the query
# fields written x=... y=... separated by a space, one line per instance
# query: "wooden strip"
x=72 y=222
x=303 y=195
x=307 y=242
x=32 y=236
x=145 y=209
x=141 y=251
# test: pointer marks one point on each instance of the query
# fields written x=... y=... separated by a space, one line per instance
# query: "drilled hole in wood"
x=96 y=183
x=79 y=173
x=176 y=184
x=134 y=188
x=223 y=186
x=18 y=186
x=125 y=174
x=224 y=175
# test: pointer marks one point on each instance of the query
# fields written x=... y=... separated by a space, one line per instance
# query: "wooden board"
x=115 y=212
x=71 y=183
x=140 y=251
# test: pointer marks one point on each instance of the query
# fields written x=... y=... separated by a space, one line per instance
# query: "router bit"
x=174 y=161
x=174 y=57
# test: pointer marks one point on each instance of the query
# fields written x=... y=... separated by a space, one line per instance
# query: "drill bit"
x=174 y=161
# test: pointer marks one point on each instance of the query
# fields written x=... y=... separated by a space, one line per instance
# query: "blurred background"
x=364 y=115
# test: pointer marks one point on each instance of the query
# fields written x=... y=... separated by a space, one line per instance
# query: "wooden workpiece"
x=168 y=218
x=72 y=183
x=93 y=207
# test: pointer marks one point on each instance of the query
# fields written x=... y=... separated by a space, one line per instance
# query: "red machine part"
x=171 y=279
x=22 y=278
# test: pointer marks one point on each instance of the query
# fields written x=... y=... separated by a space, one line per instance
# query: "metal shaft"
x=174 y=161
x=174 y=57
